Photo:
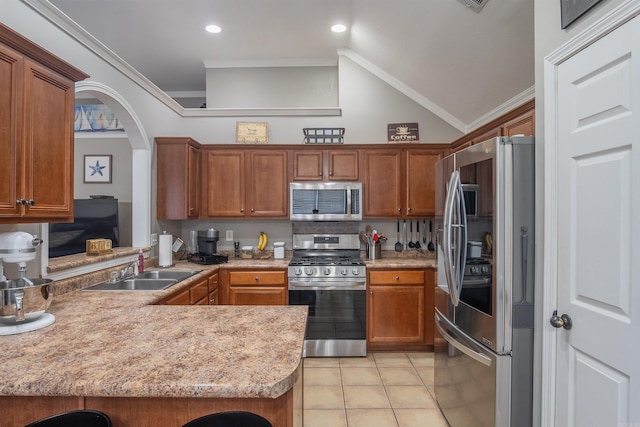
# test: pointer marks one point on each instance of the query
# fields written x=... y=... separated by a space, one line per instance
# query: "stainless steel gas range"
x=327 y=274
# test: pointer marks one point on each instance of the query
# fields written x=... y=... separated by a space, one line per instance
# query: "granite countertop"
x=118 y=344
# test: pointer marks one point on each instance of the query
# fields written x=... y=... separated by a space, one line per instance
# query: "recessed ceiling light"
x=339 y=28
x=213 y=29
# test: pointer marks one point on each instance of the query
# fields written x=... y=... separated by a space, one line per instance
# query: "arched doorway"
x=141 y=158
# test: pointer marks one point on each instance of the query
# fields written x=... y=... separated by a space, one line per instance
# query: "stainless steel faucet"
x=123 y=273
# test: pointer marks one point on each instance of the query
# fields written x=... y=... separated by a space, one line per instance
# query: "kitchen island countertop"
x=117 y=344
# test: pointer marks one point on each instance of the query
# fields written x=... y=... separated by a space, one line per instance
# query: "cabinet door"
x=342 y=165
x=193 y=178
x=307 y=165
x=382 y=183
x=257 y=287
x=48 y=143
x=521 y=125
x=421 y=183
x=11 y=78
x=396 y=314
x=177 y=180
x=267 y=193
x=491 y=133
x=257 y=295
x=224 y=176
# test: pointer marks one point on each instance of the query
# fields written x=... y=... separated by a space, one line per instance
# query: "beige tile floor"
x=380 y=390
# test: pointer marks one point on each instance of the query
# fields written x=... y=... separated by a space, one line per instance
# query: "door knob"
x=563 y=321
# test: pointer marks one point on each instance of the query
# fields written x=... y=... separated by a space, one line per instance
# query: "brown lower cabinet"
x=400 y=309
x=253 y=287
x=199 y=293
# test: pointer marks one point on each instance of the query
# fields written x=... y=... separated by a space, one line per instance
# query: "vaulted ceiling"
x=452 y=60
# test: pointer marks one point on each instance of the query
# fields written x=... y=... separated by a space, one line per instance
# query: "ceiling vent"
x=475 y=4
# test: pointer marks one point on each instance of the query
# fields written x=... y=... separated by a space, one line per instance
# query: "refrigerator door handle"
x=475 y=355
x=447 y=229
x=461 y=237
x=454 y=237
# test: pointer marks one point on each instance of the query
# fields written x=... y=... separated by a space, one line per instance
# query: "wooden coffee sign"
x=402 y=132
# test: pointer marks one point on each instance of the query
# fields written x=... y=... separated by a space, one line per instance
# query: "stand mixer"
x=23 y=301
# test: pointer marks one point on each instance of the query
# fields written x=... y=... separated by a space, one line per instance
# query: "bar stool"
x=229 y=419
x=80 y=418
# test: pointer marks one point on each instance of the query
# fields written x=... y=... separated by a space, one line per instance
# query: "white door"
x=598 y=233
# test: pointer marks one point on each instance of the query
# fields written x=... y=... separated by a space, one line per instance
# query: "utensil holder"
x=374 y=251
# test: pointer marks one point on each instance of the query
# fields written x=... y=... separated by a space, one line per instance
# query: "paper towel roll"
x=164 y=250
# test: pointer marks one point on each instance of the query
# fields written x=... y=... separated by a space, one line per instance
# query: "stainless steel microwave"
x=325 y=201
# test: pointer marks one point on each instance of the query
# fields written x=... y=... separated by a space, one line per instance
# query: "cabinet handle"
x=251 y=209
x=21 y=202
x=371 y=293
x=257 y=279
x=212 y=301
x=320 y=174
x=330 y=173
x=399 y=209
x=397 y=277
x=409 y=209
x=241 y=210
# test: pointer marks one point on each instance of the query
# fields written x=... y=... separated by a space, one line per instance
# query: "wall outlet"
x=229 y=236
x=154 y=239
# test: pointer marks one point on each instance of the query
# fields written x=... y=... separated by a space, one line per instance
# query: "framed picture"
x=252 y=132
x=571 y=10
x=97 y=168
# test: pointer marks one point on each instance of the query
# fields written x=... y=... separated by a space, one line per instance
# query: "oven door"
x=336 y=323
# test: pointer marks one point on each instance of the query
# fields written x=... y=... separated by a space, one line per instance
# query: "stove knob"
x=309 y=271
x=485 y=270
x=355 y=272
x=298 y=271
x=344 y=272
x=473 y=270
x=327 y=271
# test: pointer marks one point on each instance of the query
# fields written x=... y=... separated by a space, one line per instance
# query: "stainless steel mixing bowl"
x=24 y=300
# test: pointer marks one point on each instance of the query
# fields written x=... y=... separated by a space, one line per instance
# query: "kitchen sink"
x=147 y=281
x=167 y=274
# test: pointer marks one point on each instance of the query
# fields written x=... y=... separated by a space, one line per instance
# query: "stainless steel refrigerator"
x=484 y=298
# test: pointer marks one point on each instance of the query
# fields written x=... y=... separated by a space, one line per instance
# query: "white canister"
x=278 y=250
x=474 y=249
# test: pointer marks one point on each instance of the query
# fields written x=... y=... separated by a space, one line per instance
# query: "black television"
x=95 y=218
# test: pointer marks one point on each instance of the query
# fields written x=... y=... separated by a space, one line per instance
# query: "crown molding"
x=267 y=63
x=499 y=111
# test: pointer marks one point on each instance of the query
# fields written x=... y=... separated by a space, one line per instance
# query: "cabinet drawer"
x=256 y=278
x=403 y=277
x=198 y=291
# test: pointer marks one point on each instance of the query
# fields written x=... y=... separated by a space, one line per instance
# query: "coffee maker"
x=205 y=251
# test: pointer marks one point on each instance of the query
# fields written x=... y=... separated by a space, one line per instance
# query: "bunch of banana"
x=488 y=239
x=262 y=241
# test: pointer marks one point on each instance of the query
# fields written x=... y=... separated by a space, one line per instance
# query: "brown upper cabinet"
x=245 y=183
x=524 y=124
x=37 y=96
x=519 y=121
x=178 y=177
x=324 y=165
x=400 y=182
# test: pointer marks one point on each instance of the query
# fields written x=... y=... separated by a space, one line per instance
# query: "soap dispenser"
x=140 y=262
